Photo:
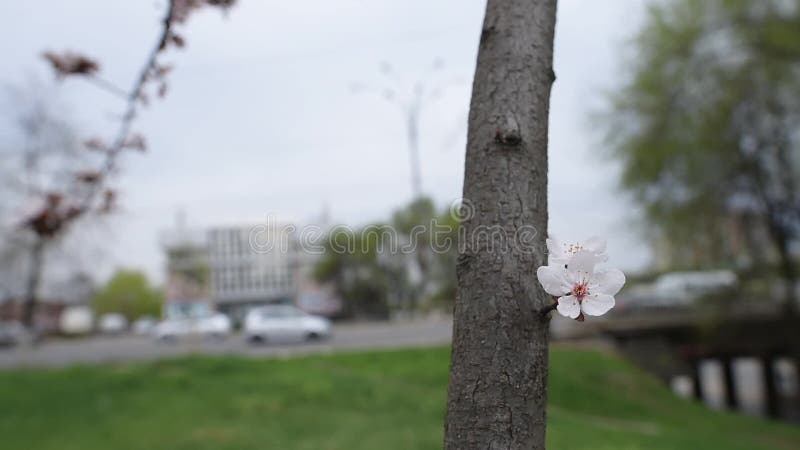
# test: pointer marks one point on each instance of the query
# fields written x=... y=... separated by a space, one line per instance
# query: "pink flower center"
x=580 y=291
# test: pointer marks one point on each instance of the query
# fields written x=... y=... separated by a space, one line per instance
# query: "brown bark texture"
x=498 y=371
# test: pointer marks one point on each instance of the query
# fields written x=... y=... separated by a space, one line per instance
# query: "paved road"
x=130 y=348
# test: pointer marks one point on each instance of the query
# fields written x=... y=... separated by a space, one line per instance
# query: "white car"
x=76 y=320
x=112 y=323
x=284 y=323
x=144 y=326
x=215 y=325
x=13 y=333
x=683 y=288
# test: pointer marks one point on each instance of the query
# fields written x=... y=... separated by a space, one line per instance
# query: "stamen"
x=580 y=291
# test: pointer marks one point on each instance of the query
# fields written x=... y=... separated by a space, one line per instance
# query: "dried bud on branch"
x=224 y=4
x=181 y=9
x=43 y=223
x=221 y=3
x=68 y=63
x=109 y=201
x=54 y=199
x=96 y=144
x=135 y=141
x=50 y=219
x=177 y=39
x=161 y=70
x=73 y=212
x=89 y=176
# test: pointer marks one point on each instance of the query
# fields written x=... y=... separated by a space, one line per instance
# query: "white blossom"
x=579 y=287
x=559 y=254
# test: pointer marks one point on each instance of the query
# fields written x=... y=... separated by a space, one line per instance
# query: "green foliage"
x=351 y=264
x=371 y=267
x=418 y=212
x=704 y=125
x=197 y=273
x=445 y=255
x=129 y=293
x=371 y=400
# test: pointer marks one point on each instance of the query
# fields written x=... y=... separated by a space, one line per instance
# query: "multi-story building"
x=234 y=268
x=251 y=265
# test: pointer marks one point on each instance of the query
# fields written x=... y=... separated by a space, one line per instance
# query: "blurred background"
x=190 y=199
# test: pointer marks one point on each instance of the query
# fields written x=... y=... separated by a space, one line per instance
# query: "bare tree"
x=42 y=154
x=498 y=373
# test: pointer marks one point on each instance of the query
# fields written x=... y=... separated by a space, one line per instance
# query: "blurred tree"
x=128 y=293
x=498 y=368
x=87 y=190
x=41 y=152
x=412 y=224
x=706 y=129
x=409 y=263
x=444 y=248
x=354 y=265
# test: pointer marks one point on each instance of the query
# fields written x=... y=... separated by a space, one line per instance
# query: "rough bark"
x=498 y=372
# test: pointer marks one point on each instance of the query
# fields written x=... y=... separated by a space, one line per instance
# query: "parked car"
x=284 y=323
x=319 y=302
x=76 y=320
x=683 y=288
x=13 y=333
x=144 y=326
x=676 y=290
x=214 y=325
x=112 y=323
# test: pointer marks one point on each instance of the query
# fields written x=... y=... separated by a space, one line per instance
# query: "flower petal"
x=568 y=306
x=553 y=280
x=595 y=244
x=608 y=281
x=553 y=245
x=555 y=252
x=582 y=263
x=597 y=304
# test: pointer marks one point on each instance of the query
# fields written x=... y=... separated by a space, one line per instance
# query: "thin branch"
x=107 y=86
x=132 y=98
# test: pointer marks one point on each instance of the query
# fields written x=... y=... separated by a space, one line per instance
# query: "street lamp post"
x=411 y=104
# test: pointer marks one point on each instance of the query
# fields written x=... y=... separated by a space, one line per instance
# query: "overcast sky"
x=260 y=118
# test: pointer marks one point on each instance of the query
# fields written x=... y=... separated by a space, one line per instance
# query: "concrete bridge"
x=707 y=347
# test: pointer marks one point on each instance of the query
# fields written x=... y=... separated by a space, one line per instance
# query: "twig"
x=132 y=98
x=108 y=86
x=547 y=309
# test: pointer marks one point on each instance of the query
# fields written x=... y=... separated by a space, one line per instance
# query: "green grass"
x=373 y=401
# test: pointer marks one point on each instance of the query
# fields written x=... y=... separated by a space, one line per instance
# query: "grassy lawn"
x=373 y=401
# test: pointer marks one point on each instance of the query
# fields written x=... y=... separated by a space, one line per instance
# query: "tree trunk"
x=32 y=284
x=498 y=372
x=789 y=273
x=787 y=267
